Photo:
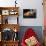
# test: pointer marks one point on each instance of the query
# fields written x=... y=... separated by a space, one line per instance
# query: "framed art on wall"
x=29 y=13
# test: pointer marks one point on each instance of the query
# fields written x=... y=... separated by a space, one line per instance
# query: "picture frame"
x=5 y=12
x=29 y=13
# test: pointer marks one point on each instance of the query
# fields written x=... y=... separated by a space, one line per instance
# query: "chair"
x=29 y=33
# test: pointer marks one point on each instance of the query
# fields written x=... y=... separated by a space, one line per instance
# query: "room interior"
x=16 y=16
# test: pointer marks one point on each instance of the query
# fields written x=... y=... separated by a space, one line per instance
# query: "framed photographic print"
x=5 y=12
x=29 y=13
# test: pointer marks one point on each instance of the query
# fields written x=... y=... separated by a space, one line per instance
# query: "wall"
x=37 y=4
x=27 y=4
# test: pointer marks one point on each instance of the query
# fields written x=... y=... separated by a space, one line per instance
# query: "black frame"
x=27 y=13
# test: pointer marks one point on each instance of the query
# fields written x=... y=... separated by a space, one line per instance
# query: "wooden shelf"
x=9 y=43
x=10 y=9
x=11 y=26
x=6 y=12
